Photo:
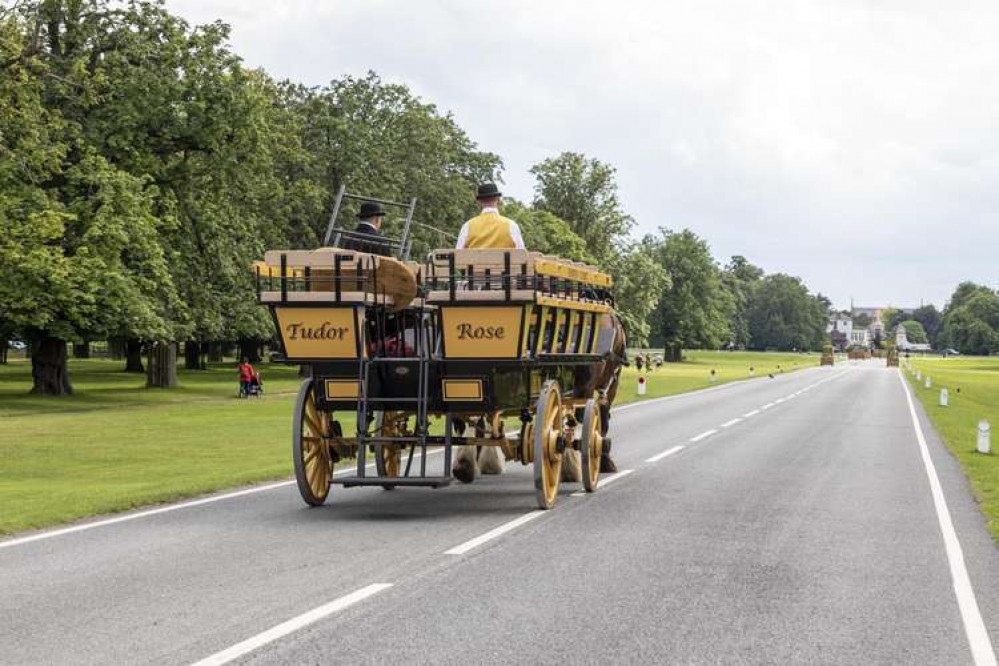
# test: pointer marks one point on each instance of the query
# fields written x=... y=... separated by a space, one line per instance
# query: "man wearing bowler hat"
x=489 y=229
x=366 y=236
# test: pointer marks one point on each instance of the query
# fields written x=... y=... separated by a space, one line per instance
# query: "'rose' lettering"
x=469 y=332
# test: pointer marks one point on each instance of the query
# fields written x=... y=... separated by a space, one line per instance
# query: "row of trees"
x=970 y=322
x=143 y=168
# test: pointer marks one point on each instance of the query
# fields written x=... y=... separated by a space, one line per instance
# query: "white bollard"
x=919 y=375
x=943 y=397
x=752 y=371
x=984 y=432
x=641 y=385
x=928 y=383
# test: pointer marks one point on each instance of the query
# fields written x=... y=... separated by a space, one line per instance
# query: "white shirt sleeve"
x=518 y=240
x=462 y=237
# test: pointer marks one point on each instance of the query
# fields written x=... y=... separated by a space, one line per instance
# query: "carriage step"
x=409 y=481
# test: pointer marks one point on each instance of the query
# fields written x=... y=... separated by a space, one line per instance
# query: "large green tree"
x=694 y=308
x=930 y=319
x=783 y=315
x=740 y=278
x=971 y=320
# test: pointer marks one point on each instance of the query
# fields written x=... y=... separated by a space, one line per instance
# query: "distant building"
x=903 y=344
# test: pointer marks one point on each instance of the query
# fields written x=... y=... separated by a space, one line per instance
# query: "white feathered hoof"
x=463 y=468
x=570 y=466
x=490 y=460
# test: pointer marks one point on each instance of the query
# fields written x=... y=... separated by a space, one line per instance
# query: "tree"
x=930 y=319
x=783 y=315
x=694 y=308
x=914 y=331
x=740 y=278
x=583 y=192
x=971 y=320
x=862 y=320
x=891 y=318
x=547 y=233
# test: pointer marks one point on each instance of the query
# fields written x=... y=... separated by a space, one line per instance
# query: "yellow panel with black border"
x=342 y=389
x=318 y=332
x=482 y=332
x=468 y=390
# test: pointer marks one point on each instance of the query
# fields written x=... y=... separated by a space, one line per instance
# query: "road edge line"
x=974 y=626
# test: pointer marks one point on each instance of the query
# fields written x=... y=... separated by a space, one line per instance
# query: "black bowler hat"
x=370 y=209
x=488 y=191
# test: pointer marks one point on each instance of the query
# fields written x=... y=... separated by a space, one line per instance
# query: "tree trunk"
x=81 y=349
x=193 y=356
x=49 y=373
x=674 y=352
x=4 y=348
x=133 y=356
x=214 y=352
x=162 y=366
x=250 y=350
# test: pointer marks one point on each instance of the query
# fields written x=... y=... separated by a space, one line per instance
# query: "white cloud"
x=852 y=143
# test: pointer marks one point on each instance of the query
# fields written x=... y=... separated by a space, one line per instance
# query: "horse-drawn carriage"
x=421 y=355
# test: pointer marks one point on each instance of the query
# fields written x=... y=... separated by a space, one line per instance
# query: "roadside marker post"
x=919 y=375
x=641 y=385
x=984 y=437
x=943 y=397
x=714 y=376
x=929 y=383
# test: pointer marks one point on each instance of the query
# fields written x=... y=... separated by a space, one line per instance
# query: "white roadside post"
x=984 y=435
x=641 y=385
x=714 y=377
x=943 y=397
x=919 y=375
x=928 y=383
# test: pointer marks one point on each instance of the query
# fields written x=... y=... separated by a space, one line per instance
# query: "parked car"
x=950 y=352
x=18 y=345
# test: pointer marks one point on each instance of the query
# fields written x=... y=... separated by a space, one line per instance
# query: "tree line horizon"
x=143 y=168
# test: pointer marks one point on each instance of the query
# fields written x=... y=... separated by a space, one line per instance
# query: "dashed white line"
x=751 y=414
x=706 y=433
x=974 y=627
x=767 y=406
x=732 y=422
x=779 y=400
x=463 y=548
x=667 y=452
x=291 y=626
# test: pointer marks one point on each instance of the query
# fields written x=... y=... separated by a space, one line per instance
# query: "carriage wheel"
x=310 y=447
x=591 y=445
x=547 y=457
x=388 y=457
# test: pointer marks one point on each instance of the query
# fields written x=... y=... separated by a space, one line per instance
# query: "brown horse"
x=600 y=379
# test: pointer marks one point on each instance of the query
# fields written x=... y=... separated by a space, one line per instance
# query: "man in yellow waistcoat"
x=489 y=229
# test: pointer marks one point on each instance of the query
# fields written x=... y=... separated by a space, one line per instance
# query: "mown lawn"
x=116 y=445
x=973 y=390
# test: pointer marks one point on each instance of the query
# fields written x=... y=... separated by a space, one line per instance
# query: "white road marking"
x=767 y=406
x=606 y=481
x=706 y=433
x=667 y=452
x=463 y=548
x=731 y=422
x=173 y=507
x=779 y=400
x=291 y=626
x=751 y=414
x=974 y=627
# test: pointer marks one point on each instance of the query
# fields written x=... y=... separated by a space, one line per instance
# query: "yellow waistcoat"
x=489 y=231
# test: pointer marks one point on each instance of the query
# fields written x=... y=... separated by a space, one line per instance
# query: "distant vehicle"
x=18 y=345
x=950 y=352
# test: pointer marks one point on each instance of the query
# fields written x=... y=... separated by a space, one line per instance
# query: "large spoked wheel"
x=591 y=445
x=310 y=447
x=388 y=457
x=547 y=456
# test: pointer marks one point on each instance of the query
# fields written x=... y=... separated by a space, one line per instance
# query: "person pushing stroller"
x=249 y=380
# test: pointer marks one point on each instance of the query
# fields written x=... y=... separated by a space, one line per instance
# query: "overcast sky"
x=854 y=144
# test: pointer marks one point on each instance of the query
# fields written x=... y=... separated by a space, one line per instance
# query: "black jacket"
x=374 y=246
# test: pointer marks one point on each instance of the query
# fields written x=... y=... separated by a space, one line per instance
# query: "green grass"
x=116 y=445
x=978 y=381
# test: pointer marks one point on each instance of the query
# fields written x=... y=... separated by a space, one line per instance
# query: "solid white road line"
x=974 y=626
x=731 y=422
x=173 y=507
x=751 y=414
x=291 y=626
x=706 y=433
x=606 y=481
x=767 y=406
x=779 y=400
x=463 y=548
x=667 y=452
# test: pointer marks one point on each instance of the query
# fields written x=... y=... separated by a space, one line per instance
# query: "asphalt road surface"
x=793 y=520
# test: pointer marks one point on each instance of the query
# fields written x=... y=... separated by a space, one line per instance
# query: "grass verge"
x=116 y=445
x=973 y=394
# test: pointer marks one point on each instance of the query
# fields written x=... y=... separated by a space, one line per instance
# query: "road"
x=786 y=520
